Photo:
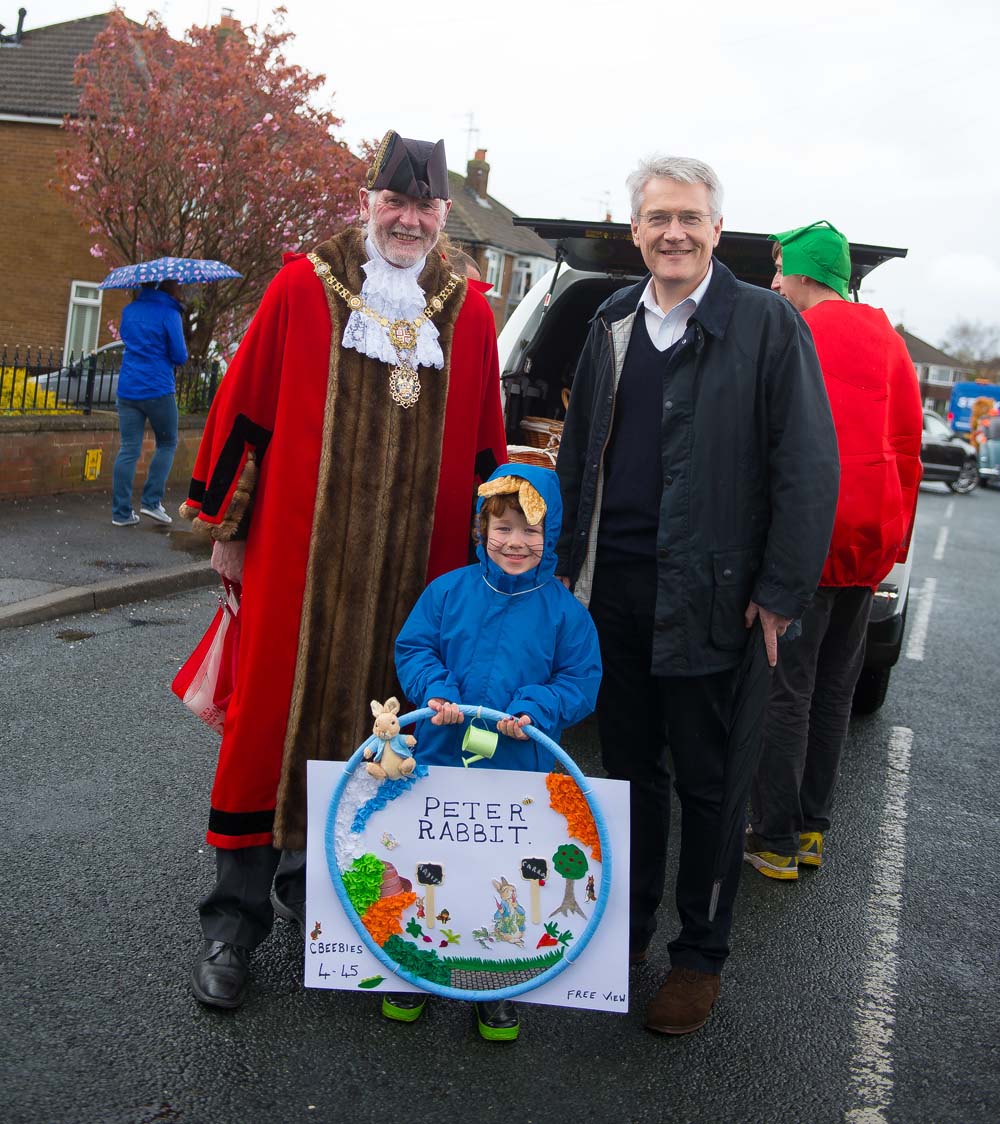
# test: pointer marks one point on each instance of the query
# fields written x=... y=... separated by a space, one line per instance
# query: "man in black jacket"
x=699 y=472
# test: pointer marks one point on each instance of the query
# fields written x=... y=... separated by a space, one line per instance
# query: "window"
x=942 y=376
x=84 y=320
x=494 y=270
x=522 y=278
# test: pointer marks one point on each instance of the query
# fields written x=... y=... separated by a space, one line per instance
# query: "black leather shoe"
x=498 y=1020
x=292 y=914
x=220 y=974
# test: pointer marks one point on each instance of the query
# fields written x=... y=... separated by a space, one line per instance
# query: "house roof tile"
x=36 y=75
x=473 y=224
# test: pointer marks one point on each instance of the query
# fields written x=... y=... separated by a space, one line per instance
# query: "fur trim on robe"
x=357 y=502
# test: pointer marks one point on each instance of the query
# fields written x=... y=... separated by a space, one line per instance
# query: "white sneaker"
x=129 y=522
x=159 y=513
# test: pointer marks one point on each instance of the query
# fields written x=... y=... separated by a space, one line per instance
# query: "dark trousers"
x=238 y=907
x=807 y=718
x=639 y=717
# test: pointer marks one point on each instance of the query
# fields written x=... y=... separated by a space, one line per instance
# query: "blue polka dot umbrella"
x=186 y=271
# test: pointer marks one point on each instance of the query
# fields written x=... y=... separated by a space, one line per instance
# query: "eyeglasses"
x=660 y=220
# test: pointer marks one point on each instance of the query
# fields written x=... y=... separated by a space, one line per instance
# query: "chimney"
x=227 y=21
x=477 y=173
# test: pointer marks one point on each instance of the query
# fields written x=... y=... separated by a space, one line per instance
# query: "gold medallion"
x=403 y=335
x=404 y=382
x=404 y=386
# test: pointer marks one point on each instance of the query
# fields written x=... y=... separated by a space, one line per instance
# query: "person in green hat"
x=875 y=401
x=814 y=264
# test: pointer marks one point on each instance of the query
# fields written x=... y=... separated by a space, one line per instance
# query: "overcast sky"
x=875 y=114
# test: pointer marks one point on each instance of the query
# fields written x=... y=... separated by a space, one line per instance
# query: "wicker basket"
x=542 y=433
x=528 y=454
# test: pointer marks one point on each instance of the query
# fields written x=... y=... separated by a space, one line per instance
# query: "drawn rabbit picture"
x=509 y=920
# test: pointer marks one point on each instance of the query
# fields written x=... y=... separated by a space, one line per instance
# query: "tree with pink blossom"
x=205 y=147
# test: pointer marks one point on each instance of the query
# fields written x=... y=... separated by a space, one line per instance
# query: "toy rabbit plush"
x=388 y=751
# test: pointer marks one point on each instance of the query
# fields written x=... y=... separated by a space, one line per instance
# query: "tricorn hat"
x=411 y=167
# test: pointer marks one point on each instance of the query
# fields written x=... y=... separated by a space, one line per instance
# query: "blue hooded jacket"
x=520 y=643
x=153 y=334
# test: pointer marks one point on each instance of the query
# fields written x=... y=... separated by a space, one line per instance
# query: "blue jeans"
x=132 y=415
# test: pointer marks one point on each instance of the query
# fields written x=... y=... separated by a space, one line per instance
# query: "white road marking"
x=918 y=633
x=940 y=544
x=871 y=1080
x=949 y=509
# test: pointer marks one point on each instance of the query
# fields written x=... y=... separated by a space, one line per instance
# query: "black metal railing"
x=40 y=381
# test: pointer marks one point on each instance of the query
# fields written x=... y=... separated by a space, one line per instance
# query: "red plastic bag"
x=207 y=678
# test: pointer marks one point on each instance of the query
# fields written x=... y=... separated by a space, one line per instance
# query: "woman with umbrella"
x=152 y=330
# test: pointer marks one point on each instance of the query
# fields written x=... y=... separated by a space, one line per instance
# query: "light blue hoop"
x=569 y=956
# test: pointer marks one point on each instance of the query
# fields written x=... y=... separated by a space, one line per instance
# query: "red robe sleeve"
x=240 y=422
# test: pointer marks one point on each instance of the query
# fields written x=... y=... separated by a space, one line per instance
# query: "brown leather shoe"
x=684 y=1002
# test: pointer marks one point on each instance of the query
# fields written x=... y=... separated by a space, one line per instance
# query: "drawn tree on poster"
x=571 y=863
x=208 y=146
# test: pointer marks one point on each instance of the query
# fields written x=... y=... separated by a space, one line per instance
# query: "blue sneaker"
x=159 y=513
x=129 y=521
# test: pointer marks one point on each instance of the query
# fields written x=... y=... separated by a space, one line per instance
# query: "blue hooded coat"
x=520 y=643
x=153 y=333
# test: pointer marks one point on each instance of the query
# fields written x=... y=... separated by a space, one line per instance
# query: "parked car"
x=541 y=342
x=989 y=453
x=70 y=382
x=947 y=458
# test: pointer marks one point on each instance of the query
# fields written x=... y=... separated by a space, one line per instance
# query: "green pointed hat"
x=818 y=251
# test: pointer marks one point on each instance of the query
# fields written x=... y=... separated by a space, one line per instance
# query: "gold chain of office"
x=404 y=381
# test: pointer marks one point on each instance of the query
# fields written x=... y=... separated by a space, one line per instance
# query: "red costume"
x=875 y=400
x=349 y=505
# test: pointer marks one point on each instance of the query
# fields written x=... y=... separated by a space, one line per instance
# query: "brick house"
x=511 y=258
x=936 y=371
x=48 y=287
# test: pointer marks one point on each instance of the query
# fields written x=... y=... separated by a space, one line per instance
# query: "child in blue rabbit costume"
x=504 y=634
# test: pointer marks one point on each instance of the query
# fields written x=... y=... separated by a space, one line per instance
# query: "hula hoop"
x=570 y=954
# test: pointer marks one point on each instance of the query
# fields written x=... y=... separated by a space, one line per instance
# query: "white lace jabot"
x=394 y=293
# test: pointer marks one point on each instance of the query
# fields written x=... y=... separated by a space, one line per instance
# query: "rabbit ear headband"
x=531 y=502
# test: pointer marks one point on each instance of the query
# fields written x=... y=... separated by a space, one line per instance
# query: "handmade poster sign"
x=470 y=883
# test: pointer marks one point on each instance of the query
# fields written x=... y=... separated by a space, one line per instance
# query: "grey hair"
x=682 y=169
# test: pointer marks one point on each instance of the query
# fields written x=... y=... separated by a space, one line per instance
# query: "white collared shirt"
x=666 y=328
